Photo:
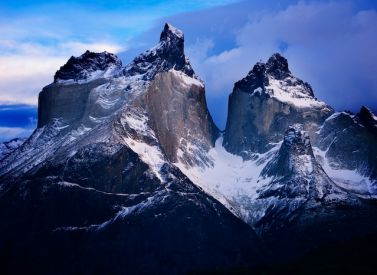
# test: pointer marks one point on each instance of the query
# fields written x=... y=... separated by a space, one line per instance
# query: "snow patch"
x=230 y=179
x=350 y=180
x=187 y=80
x=258 y=90
x=150 y=154
x=292 y=94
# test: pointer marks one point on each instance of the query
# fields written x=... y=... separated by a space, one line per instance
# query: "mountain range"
x=128 y=173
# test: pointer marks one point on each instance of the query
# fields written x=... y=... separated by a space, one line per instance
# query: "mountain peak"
x=167 y=54
x=86 y=67
x=170 y=32
x=287 y=161
x=172 y=44
x=277 y=66
x=366 y=113
x=366 y=117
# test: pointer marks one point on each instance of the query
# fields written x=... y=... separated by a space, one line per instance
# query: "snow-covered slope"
x=229 y=178
x=283 y=179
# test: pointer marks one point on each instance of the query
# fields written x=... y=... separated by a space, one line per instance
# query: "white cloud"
x=80 y=47
x=31 y=66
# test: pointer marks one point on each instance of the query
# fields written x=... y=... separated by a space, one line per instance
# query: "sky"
x=330 y=44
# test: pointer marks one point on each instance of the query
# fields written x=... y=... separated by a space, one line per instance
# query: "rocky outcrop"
x=265 y=103
x=299 y=194
x=295 y=171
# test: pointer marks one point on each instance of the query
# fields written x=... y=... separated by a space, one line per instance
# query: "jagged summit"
x=170 y=32
x=277 y=66
x=273 y=78
x=366 y=117
x=167 y=54
x=88 y=66
x=255 y=79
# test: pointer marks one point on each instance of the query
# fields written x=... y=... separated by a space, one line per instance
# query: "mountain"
x=264 y=103
x=127 y=171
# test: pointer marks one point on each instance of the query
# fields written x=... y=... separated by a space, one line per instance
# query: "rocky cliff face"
x=265 y=103
x=180 y=118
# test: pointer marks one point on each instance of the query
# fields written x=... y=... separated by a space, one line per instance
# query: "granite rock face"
x=265 y=103
x=179 y=116
x=67 y=102
x=68 y=97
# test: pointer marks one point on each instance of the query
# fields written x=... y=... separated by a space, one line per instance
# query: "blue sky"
x=330 y=44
